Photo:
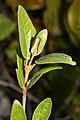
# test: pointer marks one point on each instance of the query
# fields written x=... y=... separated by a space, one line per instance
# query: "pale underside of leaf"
x=17 y=112
x=26 y=31
x=43 y=110
x=55 y=58
x=42 y=35
x=37 y=76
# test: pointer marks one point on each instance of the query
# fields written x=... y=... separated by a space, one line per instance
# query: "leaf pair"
x=26 y=32
x=42 y=112
x=47 y=59
x=50 y=59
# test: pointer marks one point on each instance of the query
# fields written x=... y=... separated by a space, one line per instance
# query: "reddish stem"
x=24 y=98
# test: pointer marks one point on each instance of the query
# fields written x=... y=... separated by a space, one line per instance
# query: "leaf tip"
x=73 y=63
x=16 y=102
x=45 y=32
x=19 y=6
x=49 y=99
x=60 y=67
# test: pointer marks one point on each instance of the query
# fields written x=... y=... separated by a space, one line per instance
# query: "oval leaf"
x=55 y=58
x=42 y=36
x=26 y=31
x=20 y=77
x=7 y=26
x=40 y=73
x=17 y=112
x=43 y=110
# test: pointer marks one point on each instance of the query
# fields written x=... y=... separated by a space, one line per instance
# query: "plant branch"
x=28 y=68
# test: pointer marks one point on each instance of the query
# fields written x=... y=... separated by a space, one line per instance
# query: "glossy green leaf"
x=20 y=77
x=40 y=73
x=43 y=110
x=26 y=31
x=42 y=36
x=7 y=26
x=17 y=112
x=55 y=58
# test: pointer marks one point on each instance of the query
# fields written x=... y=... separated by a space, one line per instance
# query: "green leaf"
x=26 y=31
x=7 y=26
x=19 y=71
x=40 y=73
x=20 y=77
x=43 y=110
x=17 y=112
x=42 y=36
x=33 y=81
x=19 y=62
x=55 y=58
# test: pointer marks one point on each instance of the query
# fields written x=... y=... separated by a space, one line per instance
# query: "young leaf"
x=17 y=112
x=26 y=31
x=42 y=36
x=55 y=58
x=40 y=73
x=20 y=77
x=43 y=110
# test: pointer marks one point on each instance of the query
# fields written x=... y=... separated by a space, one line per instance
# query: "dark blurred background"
x=62 y=19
